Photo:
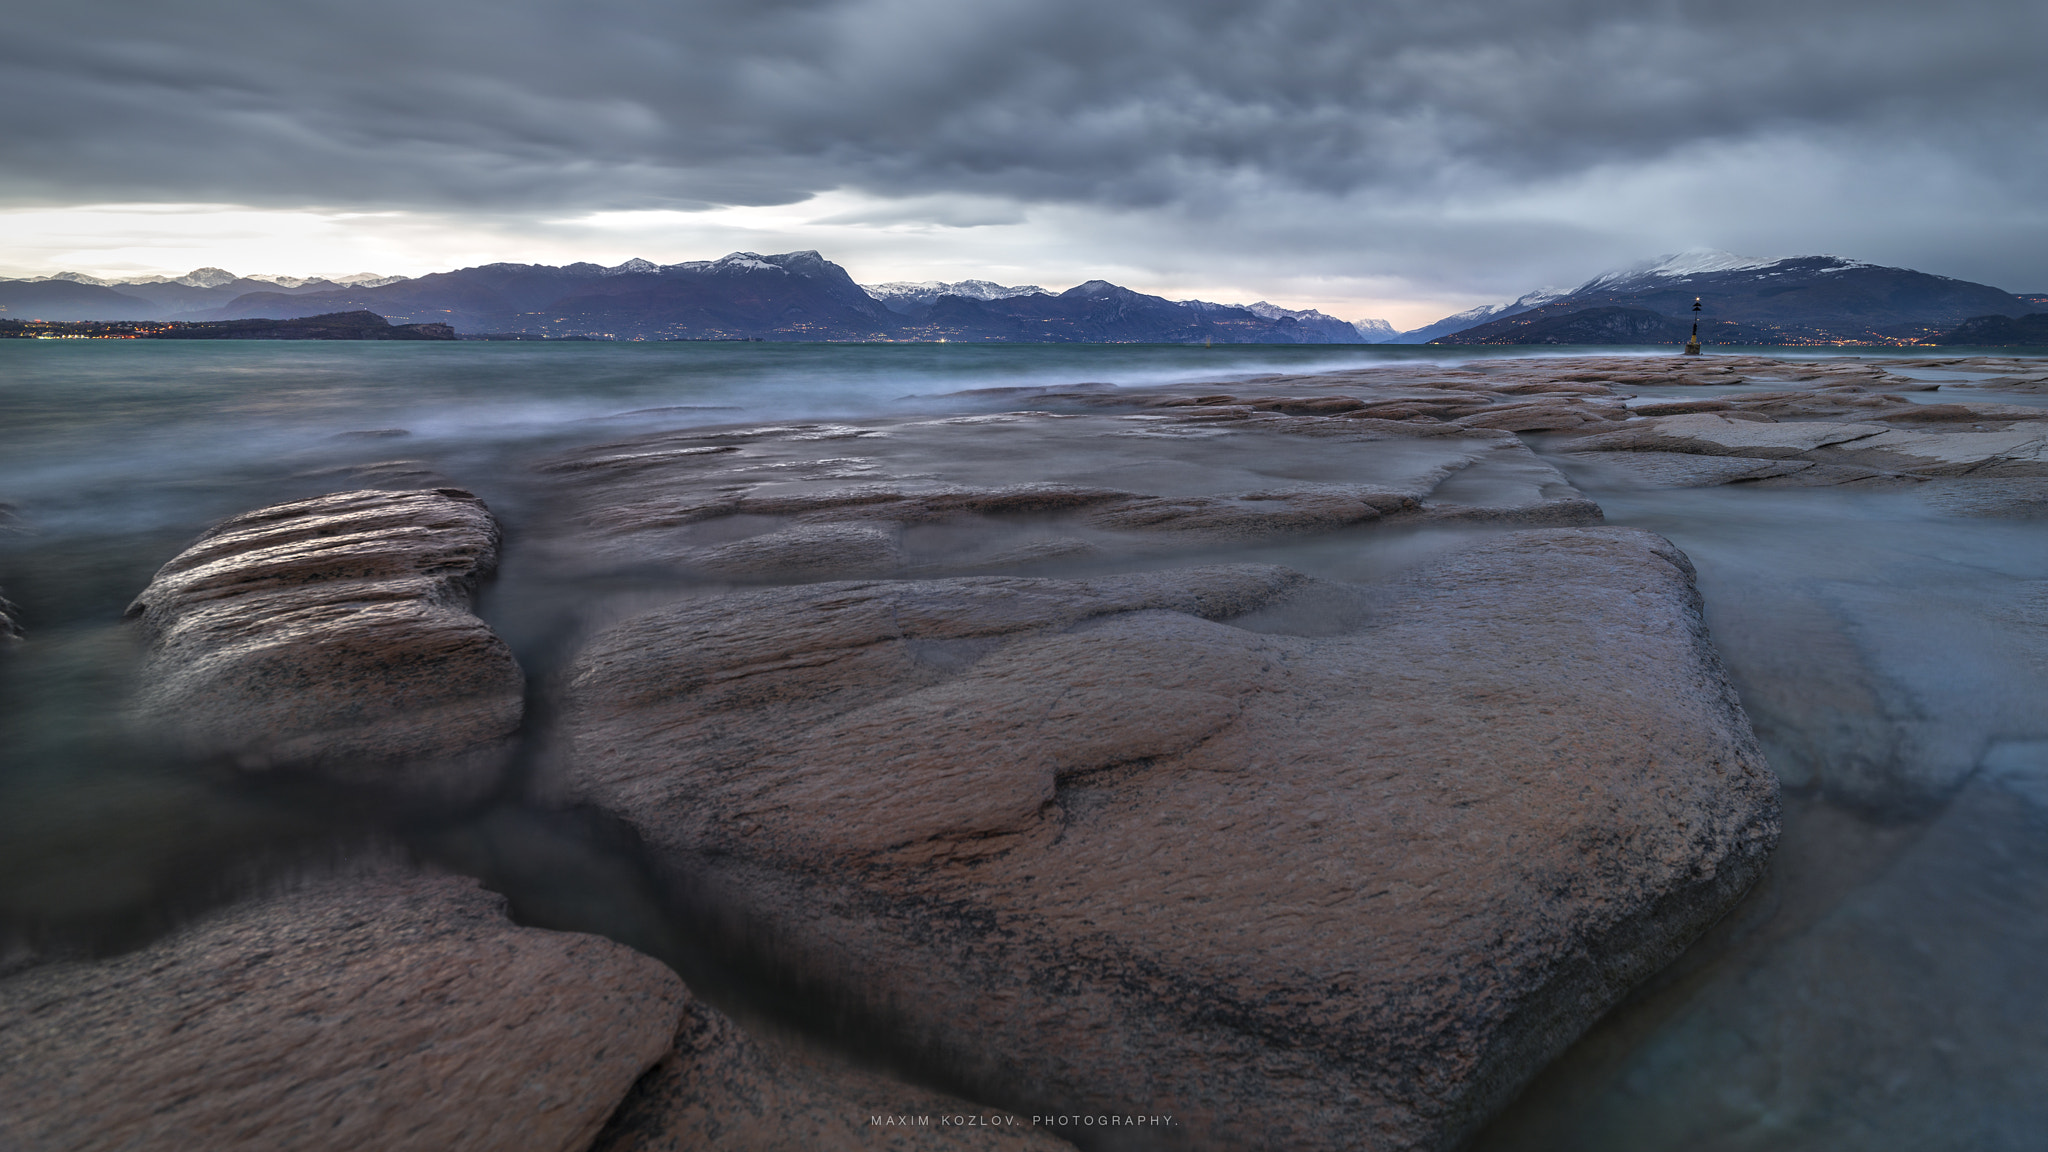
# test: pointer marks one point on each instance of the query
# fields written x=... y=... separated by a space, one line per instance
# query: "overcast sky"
x=1398 y=159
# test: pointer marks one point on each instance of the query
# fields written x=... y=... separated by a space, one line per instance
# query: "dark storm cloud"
x=517 y=106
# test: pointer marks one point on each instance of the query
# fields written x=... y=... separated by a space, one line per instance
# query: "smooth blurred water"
x=115 y=454
x=1883 y=989
x=1886 y=987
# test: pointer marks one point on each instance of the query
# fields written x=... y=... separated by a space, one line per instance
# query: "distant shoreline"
x=357 y=325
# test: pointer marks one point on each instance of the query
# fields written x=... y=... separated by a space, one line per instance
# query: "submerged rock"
x=386 y=1012
x=1301 y=864
x=335 y=633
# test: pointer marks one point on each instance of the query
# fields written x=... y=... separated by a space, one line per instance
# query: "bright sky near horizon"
x=1399 y=158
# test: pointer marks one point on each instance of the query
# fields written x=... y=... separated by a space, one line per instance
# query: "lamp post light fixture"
x=1692 y=346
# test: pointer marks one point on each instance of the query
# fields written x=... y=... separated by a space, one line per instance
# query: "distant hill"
x=2007 y=331
x=360 y=325
x=1797 y=301
x=338 y=326
x=69 y=300
x=1099 y=312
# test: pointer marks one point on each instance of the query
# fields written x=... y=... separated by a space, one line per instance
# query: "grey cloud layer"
x=519 y=106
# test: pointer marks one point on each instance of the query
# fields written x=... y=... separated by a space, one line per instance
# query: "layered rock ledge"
x=1001 y=491
x=336 y=634
x=1831 y=437
x=1302 y=864
x=395 y=1012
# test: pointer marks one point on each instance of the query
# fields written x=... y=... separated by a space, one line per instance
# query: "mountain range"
x=1798 y=300
x=803 y=296
x=743 y=296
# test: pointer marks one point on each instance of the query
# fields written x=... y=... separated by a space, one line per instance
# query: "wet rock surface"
x=1093 y=470
x=1862 y=429
x=336 y=634
x=1004 y=490
x=383 y=1010
x=1954 y=441
x=1303 y=865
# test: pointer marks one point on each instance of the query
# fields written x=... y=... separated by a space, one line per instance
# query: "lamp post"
x=1692 y=346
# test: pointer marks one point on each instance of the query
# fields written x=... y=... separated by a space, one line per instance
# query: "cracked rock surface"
x=1305 y=864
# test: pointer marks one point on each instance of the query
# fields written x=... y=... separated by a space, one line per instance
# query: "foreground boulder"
x=335 y=633
x=387 y=1012
x=1299 y=864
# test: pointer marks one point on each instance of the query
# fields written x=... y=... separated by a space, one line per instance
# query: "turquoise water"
x=1883 y=989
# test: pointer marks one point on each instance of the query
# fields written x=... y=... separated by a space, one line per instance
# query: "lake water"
x=1883 y=988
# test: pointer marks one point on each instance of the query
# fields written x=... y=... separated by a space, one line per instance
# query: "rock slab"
x=1981 y=441
x=1302 y=864
x=391 y=1012
x=996 y=492
x=335 y=633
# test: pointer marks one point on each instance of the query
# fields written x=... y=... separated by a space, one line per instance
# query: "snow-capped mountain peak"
x=1266 y=311
x=1538 y=298
x=902 y=295
x=1675 y=265
x=749 y=261
x=1844 y=264
x=216 y=277
x=352 y=280
x=630 y=267
x=925 y=291
x=207 y=278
